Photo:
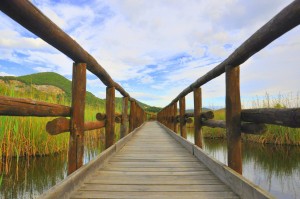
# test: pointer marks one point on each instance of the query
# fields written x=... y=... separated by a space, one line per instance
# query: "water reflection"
x=28 y=178
x=274 y=168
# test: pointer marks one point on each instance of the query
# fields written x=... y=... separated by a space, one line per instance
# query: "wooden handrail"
x=284 y=21
x=11 y=106
x=30 y=17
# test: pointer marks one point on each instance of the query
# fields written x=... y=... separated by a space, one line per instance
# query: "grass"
x=27 y=136
x=275 y=134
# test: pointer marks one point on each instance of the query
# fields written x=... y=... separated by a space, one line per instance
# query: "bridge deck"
x=153 y=165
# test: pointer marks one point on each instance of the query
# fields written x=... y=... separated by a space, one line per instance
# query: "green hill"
x=54 y=79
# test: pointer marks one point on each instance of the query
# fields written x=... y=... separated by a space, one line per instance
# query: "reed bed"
x=27 y=136
x=275 y=134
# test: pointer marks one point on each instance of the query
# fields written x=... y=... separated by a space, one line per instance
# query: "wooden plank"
x=158 y=169
x=155 y=188
x=153 y=173
x=76 y=141
x=156 y=164
x=162 y=169
x=110 y=117
x=155 y=180
x=151 y=195
x=233 y=118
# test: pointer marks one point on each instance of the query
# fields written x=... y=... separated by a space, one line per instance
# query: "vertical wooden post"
x=76 y=141
x=110 y=117
x=174 y=116
x=197 y=116
x=124 y=121
x=182 y=119
x=171 y=116
x=233 y=118
x=132 y=116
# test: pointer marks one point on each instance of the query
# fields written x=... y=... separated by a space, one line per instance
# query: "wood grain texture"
x=233 y=118
x=11 y=106
x=76 y=141
x=110 y=117
x=182 y=117
x=124 y=120
x=153 y=165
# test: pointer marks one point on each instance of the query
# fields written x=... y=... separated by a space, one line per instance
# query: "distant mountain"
x=54 y=79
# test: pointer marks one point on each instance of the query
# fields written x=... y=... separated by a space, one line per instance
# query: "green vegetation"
x=54 y=79
x=27 y=136
x=274 y=135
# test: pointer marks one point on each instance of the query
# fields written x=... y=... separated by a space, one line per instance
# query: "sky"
x=155 y=49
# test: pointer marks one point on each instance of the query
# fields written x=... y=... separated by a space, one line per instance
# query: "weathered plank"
x=151 y=195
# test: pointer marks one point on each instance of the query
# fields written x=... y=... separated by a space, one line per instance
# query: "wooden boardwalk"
x=153 y=165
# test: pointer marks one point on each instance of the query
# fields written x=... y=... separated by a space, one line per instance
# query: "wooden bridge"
x=151 y=160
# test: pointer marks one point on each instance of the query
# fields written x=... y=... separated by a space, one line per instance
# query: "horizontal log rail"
x=62 y=125
x=247 y=121
x=10 y=106
x=289 y=117
x=247 y=128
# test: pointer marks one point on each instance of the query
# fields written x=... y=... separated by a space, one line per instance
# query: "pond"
x=274 y=168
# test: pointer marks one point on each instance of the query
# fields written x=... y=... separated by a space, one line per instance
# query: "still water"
x=275 y=168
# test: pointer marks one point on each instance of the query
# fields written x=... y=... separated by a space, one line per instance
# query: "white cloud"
x=126 y=37
x=5 y=74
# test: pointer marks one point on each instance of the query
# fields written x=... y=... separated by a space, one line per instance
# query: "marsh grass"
x=275 y=134
x=27 y=136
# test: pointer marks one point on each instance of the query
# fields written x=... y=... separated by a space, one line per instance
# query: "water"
x=274 y=168
x=28 y=178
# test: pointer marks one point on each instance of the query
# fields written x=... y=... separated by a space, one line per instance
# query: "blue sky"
x=155 y=49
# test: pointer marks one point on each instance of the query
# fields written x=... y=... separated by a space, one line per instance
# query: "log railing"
x=26 y=14
x=247 y=121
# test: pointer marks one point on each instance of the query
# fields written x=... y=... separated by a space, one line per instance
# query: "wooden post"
x=110 y=117
x=171 y=113
x=233 y=118
x=132 y=116
x=76 y=141
x=174 y=117
x=197 y=116
x=124 y=121
x=182 y=119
